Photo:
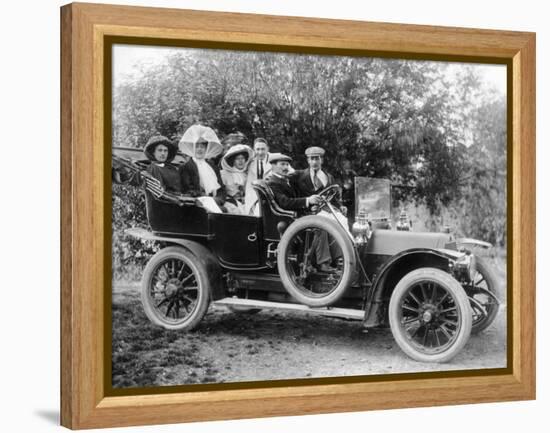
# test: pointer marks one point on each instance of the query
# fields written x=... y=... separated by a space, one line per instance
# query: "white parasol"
x=197 y=133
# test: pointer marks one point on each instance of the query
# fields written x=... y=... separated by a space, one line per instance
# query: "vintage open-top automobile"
x=429 y=288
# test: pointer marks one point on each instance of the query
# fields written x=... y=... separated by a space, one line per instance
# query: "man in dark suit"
x=314 y=179
x=285 y=194
x=287 y=197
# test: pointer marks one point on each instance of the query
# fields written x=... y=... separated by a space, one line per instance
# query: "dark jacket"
x=190 y=182
x=285 y=194
x=301 y=180
x=168 y=176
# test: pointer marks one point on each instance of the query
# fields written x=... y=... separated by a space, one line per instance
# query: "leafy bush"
x=129 y=254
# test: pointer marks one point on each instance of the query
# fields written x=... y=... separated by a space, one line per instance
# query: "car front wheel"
x=430 y=315
x=175 y=290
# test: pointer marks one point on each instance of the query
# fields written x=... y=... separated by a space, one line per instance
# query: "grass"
x=145 y=355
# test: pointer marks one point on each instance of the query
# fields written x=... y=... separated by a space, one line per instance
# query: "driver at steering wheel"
x=314 y=179
x=287 y=197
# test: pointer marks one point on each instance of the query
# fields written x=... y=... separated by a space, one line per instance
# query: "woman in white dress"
x=234 y=173
x=199 y=177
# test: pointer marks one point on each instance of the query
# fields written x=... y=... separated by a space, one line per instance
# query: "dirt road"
x=269 y=345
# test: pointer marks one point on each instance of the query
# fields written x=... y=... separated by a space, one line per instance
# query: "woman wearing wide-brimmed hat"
x=161 y=151
x=199 y=177
x=234 y=171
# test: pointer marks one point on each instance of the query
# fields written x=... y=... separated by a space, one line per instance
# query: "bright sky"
x=493 y=75
x=126 y=57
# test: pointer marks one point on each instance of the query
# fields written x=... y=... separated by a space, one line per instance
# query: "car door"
x=236 y=240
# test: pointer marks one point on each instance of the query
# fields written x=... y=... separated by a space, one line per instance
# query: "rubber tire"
x=460 y=298
x=492 y=283
x=201 y=276
x=340 y=236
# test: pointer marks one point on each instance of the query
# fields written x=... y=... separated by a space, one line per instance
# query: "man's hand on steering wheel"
x=326 y=196
x=329 y=192
x=315 y=200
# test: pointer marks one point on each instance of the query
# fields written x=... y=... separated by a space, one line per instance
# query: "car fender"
x=204 y=256
x=395 y=269
x=473 y=242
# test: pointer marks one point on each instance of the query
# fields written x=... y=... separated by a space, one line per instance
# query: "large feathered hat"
x=198 y=133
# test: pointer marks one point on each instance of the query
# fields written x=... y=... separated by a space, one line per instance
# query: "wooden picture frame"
x=85 y=213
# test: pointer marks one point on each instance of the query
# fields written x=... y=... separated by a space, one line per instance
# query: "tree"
x=426 y=125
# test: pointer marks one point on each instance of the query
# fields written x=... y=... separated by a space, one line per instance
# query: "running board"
x=344 y=313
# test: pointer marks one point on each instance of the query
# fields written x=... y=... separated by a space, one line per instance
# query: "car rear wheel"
x=175 y=290
x=430 y=315
x=316 y=261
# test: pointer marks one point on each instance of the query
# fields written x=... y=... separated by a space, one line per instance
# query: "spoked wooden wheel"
x=175 y=289
x=430 y=315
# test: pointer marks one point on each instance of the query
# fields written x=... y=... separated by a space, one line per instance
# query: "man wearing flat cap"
x=314 y=179
x=285 y=194
x=310 y=181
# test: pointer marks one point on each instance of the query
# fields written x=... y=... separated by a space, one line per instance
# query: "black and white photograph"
x=283 y=216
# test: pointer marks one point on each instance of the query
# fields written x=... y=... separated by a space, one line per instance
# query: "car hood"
x=390 y=242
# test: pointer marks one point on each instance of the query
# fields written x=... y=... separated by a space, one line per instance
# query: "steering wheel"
x=329 y=193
